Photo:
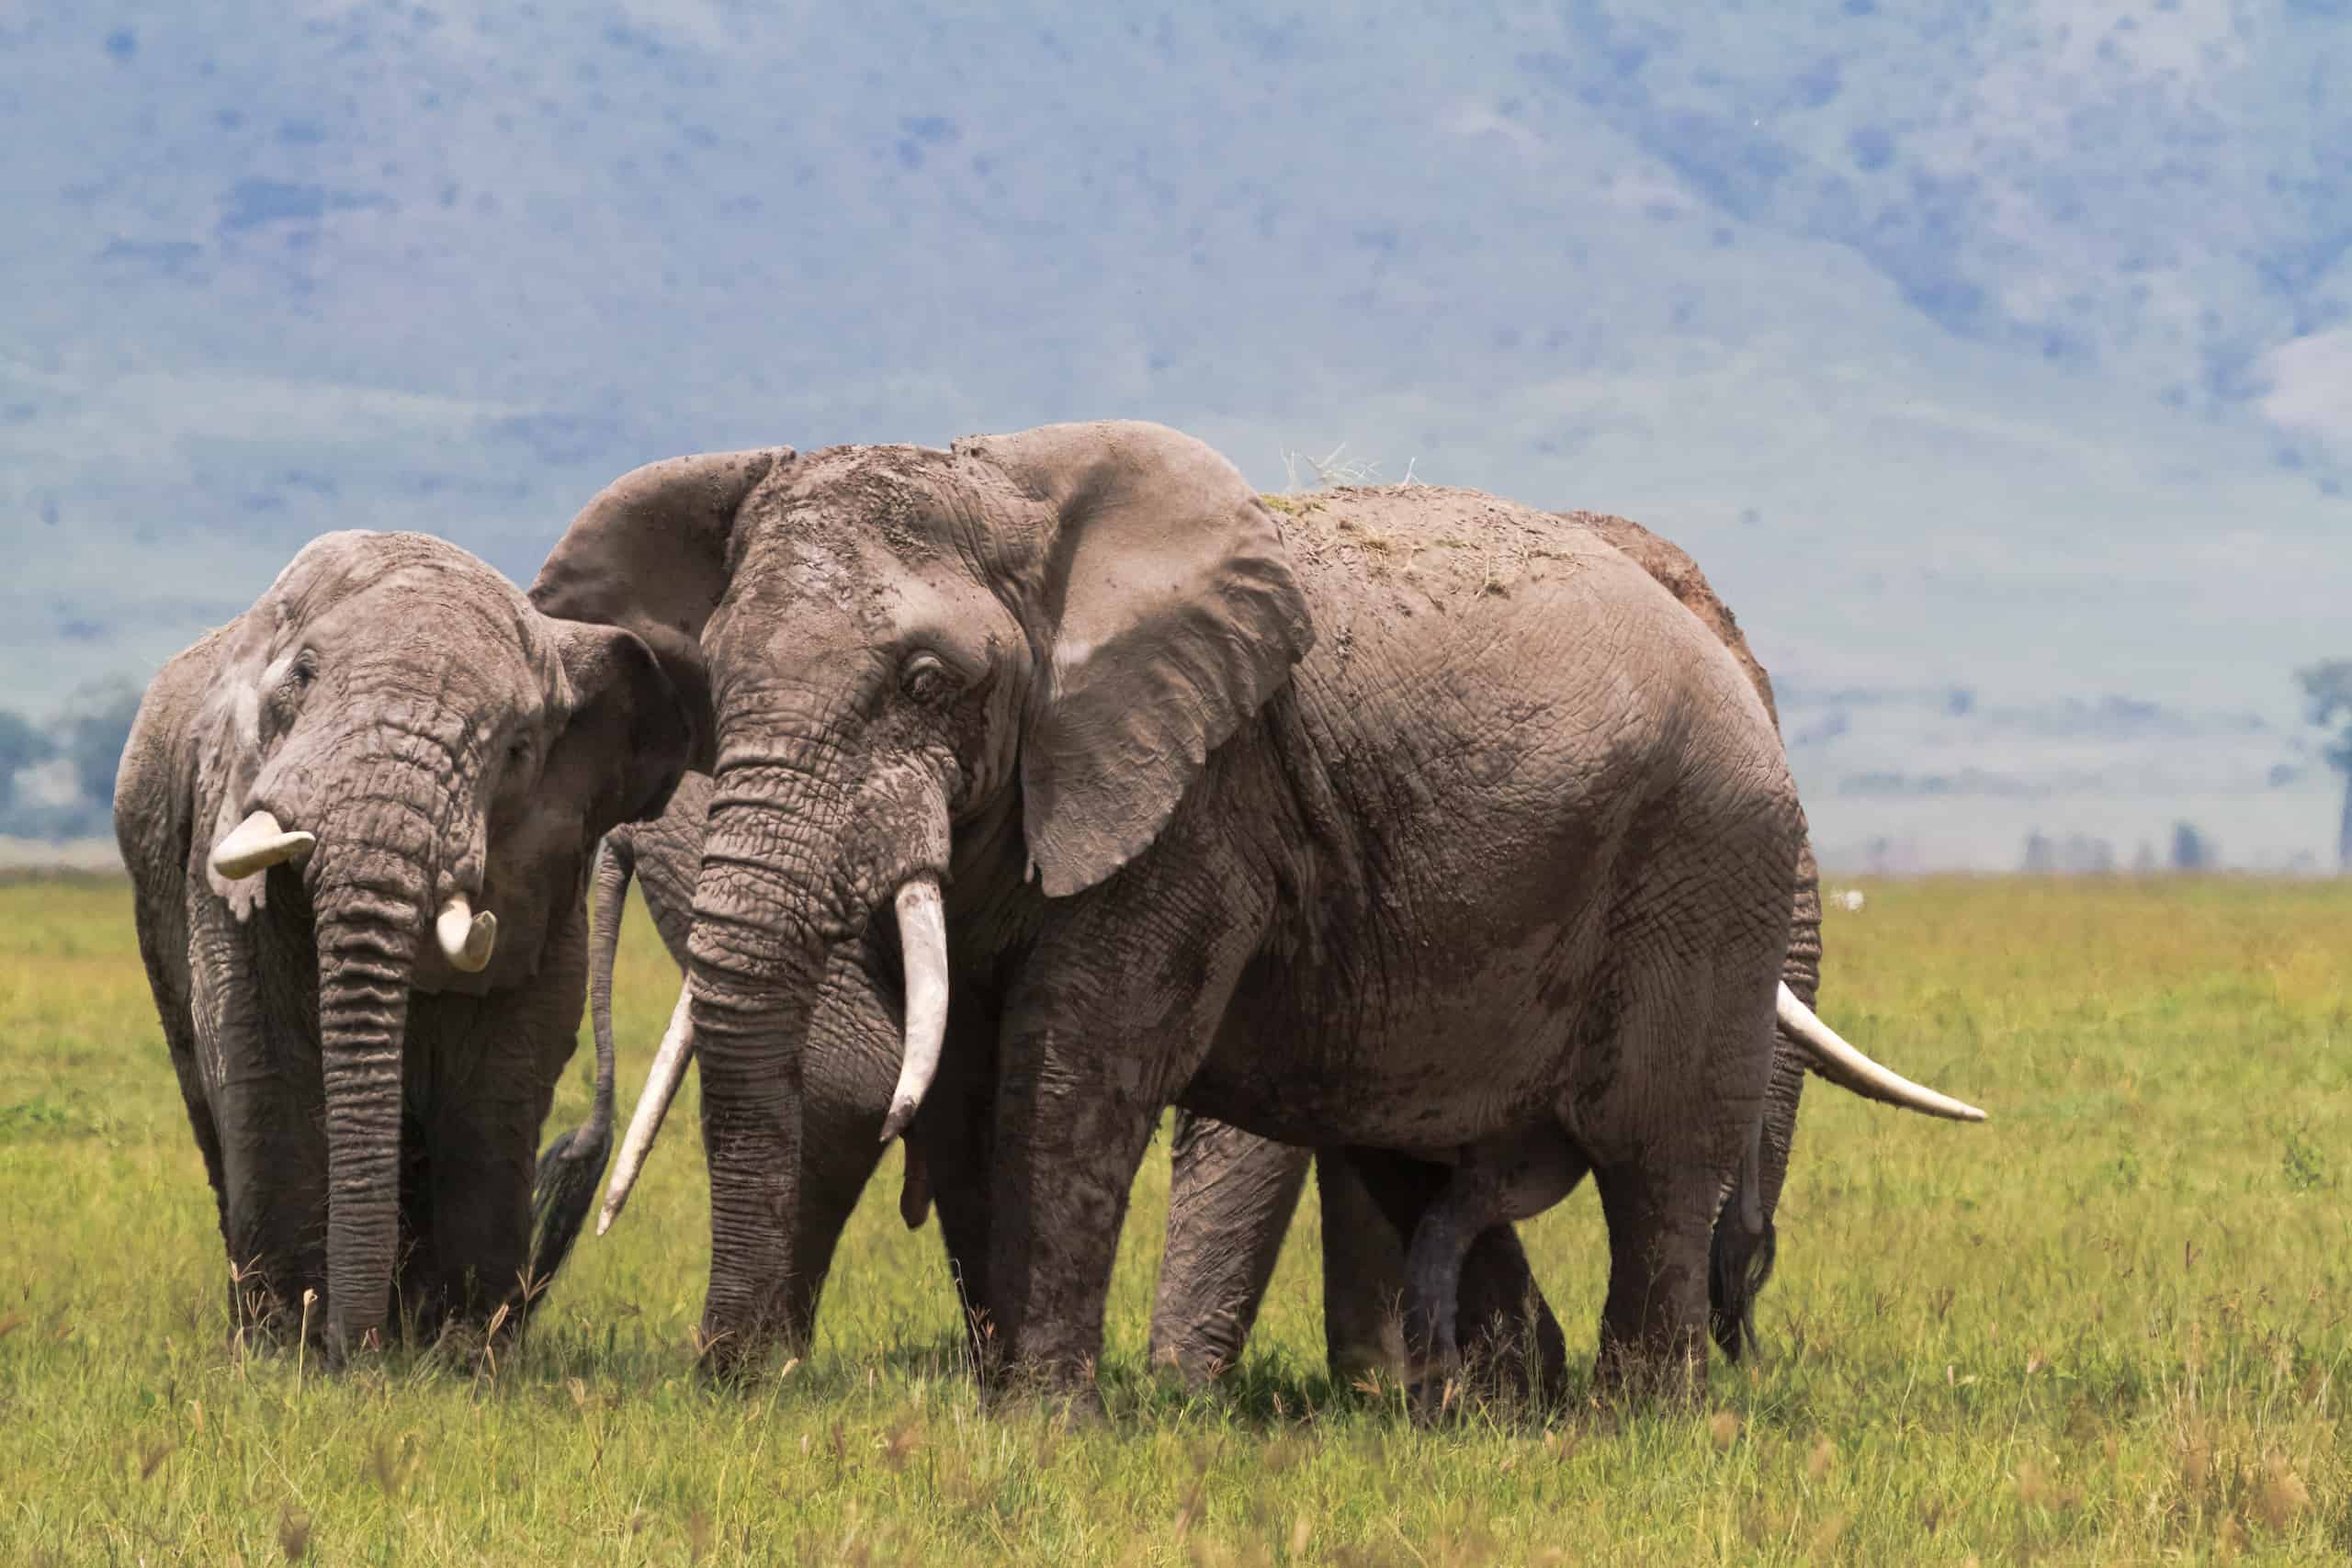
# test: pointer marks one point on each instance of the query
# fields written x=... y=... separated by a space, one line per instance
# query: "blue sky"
x=2000 y=347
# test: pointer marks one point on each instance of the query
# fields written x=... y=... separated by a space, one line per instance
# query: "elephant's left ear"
x=630 y=737
x=1170 y=616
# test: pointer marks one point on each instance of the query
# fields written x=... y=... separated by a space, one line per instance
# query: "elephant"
x=357 y=821
x=847 y=1077
x=1231 y=1195
x=1418 y=824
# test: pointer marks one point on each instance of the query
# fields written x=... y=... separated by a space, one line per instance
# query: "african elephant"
x=1231 y=1195
x=357 y=821
x=848 y=1066
x=1428 y=826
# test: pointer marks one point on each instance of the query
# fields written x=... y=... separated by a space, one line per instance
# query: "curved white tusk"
x=256 y=844
x=923 y=943
x=661 y=1088
x=466 y=938
x=1851 y=1070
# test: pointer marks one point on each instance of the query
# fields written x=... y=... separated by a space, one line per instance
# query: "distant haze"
x=1996 y=350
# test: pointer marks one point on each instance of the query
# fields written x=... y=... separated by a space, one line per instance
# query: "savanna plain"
x=2109 y=1326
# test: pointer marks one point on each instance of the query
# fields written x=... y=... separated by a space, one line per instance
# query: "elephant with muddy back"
x=357 y=821
x=1231 y=1194
x=1328 y=831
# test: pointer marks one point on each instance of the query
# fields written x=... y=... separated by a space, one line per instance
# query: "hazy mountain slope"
x=1996 y=344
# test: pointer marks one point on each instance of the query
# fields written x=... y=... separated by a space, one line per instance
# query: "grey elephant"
x=1231 y=1195
x=1428 y=827
x=357 y=821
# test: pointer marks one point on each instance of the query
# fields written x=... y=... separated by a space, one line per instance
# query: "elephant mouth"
x=464 y=939
x=920 y=912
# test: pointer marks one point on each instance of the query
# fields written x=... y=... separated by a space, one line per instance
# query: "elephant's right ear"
x=650 y=555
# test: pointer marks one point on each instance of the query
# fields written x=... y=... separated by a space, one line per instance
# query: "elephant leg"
x=1363 y=1274
x=1654 y=1321
x=484 y=1157
x=1504 y=1324
x=1513 y=1178
x=1504 y=1327
x=836 y=1162
x=955 y=1129
x=274 y=1179
x=1231 y=1195
x=1088 y=1054
x=416 y=1278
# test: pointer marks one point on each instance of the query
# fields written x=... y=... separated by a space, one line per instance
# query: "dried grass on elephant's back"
x=1448 y=543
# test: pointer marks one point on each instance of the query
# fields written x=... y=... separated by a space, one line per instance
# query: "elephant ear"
x=1168 y=615
x=630 y=737
x=650 y=555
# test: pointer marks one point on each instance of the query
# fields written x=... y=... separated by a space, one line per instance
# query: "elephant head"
x=400 y=748
x=967 y=670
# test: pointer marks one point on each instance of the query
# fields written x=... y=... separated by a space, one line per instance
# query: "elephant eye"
x=303 y=670
x=927 y=679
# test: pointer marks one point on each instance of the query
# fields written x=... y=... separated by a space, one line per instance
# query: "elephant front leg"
x=480 y=1077
x=480 y=1164
x=273 y=1203
x=1114 y=1012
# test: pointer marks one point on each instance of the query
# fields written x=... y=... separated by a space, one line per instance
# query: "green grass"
x=2109 y=1327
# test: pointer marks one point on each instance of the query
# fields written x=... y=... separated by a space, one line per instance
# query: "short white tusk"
x=1847 y=1067
x=922 y=944
x=466 y=938
x=256 y=844
x=661 y=1088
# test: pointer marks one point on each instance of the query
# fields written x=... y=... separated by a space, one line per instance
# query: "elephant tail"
x=574 y=1163
x=1739 y=1258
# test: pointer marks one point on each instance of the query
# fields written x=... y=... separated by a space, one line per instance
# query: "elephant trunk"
x=755 y=958
x=368 y=916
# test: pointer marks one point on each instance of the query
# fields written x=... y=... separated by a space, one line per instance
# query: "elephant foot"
x=1193 y=1364
x=1632 y=1376
x=1063 y=1396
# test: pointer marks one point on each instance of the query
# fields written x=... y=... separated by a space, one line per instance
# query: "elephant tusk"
x=466 y=938
x=257 y=843
x=661 y=1088
x=923 y=943
x=1851 y=1070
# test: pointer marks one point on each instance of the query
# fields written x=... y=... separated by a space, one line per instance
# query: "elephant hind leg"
x=1653 y=1324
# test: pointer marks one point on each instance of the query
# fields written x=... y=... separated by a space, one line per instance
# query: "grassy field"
x=2109 y=1327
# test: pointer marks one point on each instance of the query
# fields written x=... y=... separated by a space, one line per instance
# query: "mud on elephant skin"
x=357 y=821
x=1318 y=829
x=1231 y=1195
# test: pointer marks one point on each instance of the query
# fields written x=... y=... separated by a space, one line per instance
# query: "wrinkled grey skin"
x=1492 y=862
x=368 y=1113
x=1231 y=1195
x=850 y=1060
x=850 y=1063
